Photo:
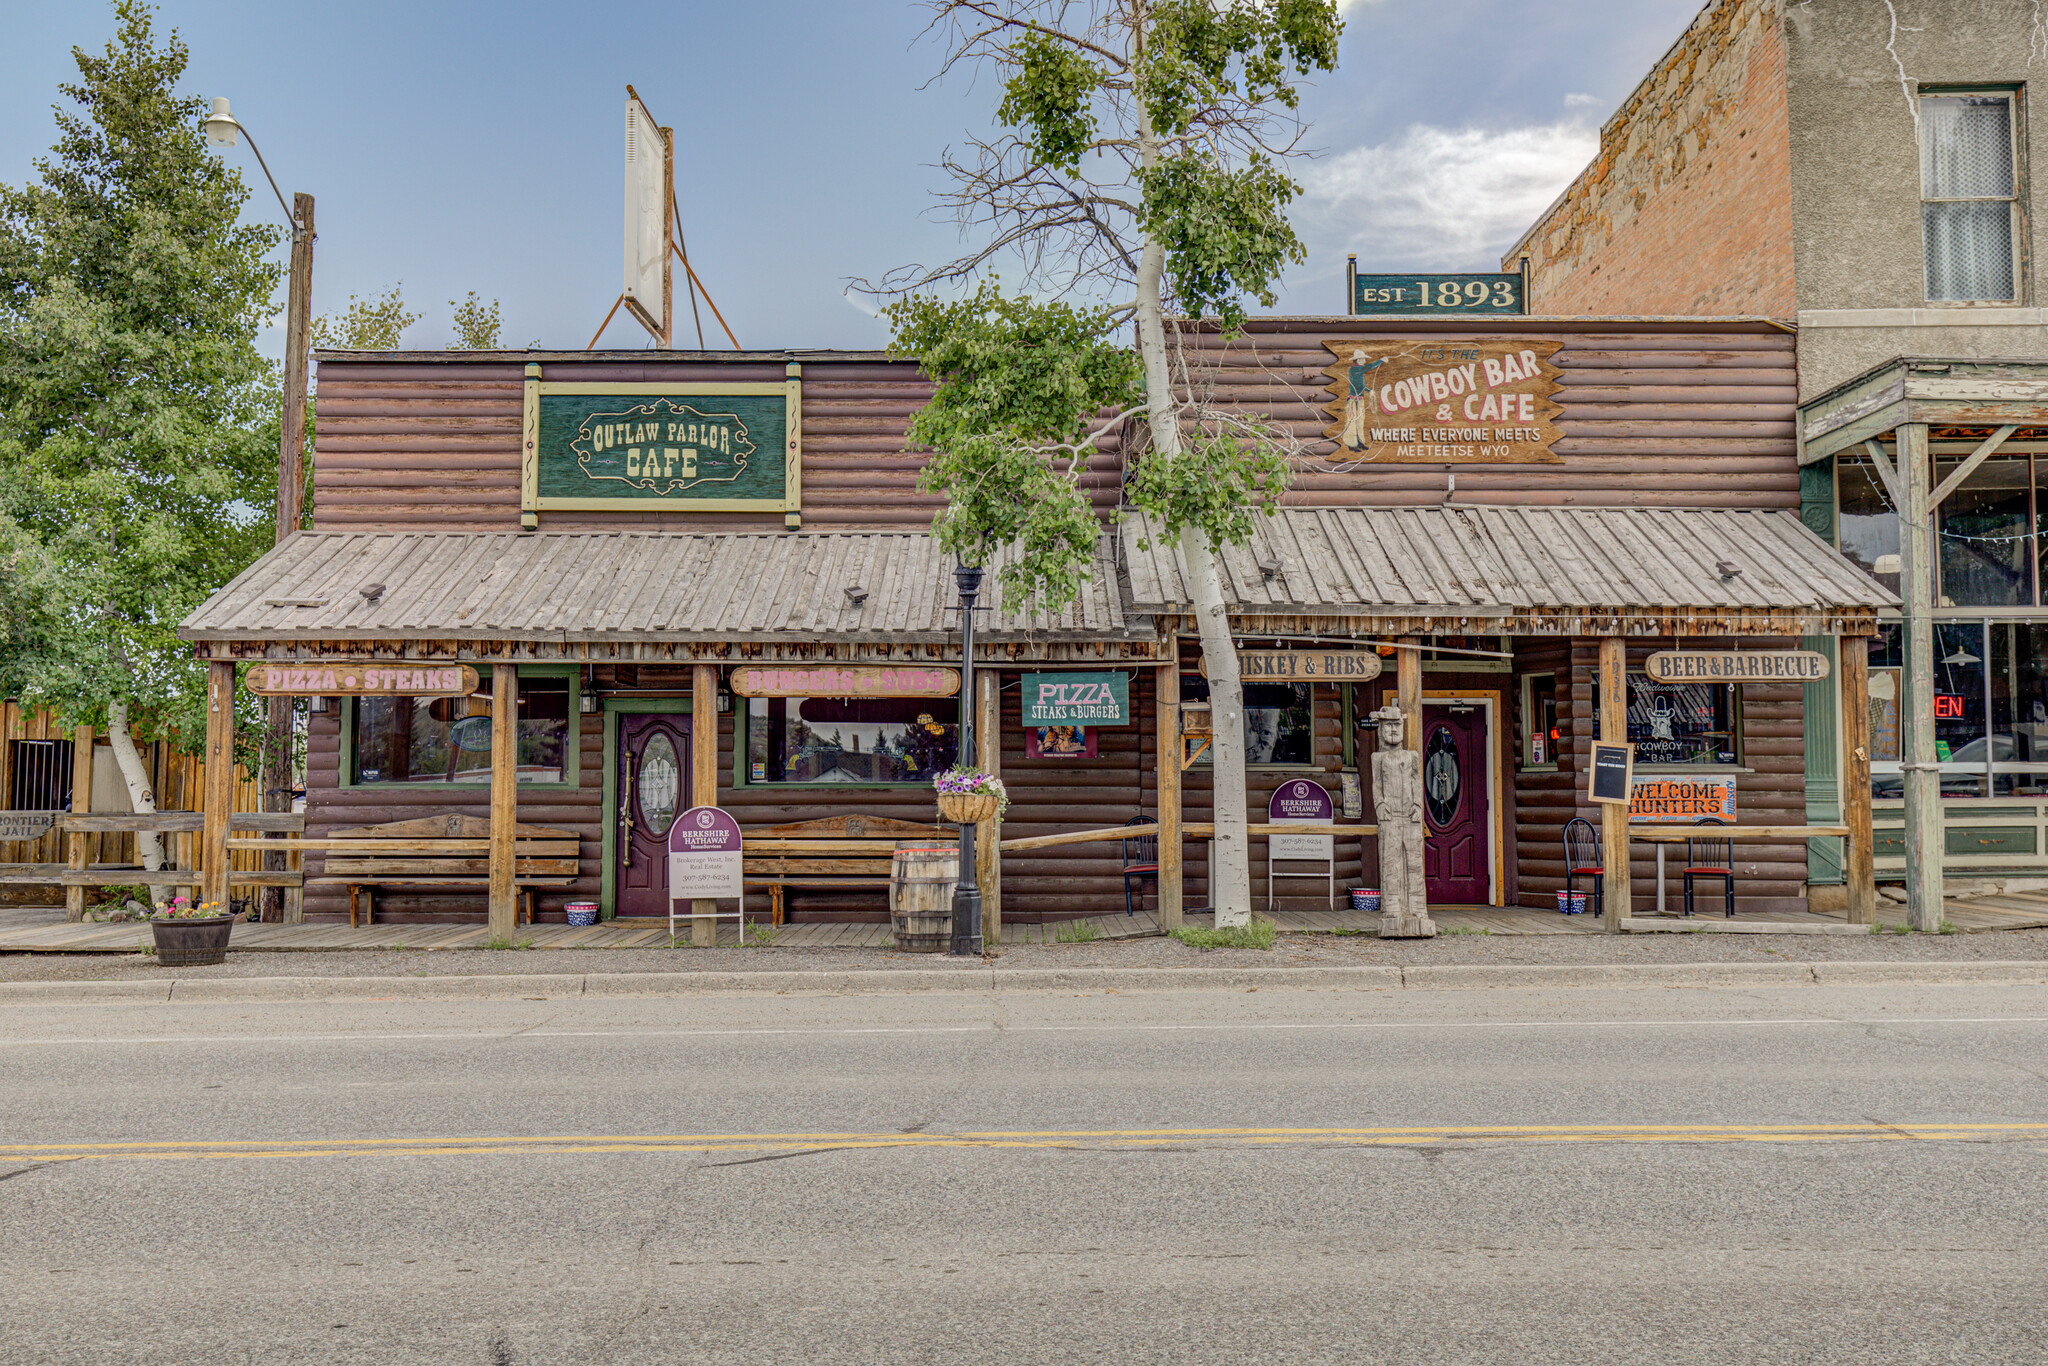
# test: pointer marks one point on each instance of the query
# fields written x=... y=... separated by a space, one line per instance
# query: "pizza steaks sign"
x=1077 y=699
x=344 y=678
x=1481 y=401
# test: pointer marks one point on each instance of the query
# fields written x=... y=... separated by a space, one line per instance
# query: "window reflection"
x=1986 y=550
x=850 y=740
x=448 y=739
x=1869 y=526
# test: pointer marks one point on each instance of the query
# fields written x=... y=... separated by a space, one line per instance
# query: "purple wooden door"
x=654 y=768
x=1456 y=844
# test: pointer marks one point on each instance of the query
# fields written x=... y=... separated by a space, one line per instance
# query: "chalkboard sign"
x=1612 y=772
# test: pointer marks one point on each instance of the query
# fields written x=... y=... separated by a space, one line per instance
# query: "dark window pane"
x=850 y=740
x=1279 y=725
x=448 y=739
x=1869 y=525
x=1986 y=550
x=1959 y=741
x=1680 y=723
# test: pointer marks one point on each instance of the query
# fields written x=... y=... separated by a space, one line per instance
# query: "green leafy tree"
x=137 y=419
x=1141 y=156
x=476 y=325
x=365 y=325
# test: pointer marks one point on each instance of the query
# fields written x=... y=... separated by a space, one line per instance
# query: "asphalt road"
x=1799 y=1175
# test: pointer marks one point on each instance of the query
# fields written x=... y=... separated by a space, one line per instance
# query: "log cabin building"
x=639 y=549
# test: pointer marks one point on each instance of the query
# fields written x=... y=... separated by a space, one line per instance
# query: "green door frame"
x=614 y=708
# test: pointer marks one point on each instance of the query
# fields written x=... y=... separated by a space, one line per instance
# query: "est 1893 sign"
x=1431 y=295
x=624 y=447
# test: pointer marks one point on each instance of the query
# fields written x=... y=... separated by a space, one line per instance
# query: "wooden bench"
x=838 y=851
x=441 y=851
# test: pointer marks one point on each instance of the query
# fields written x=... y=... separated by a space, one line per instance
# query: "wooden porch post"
x=220 y=781
x=504 y=898
x=1408 y=688
x=988 y=754
x=704 y=782
x=1615 y=881
x=81 y=804
x=1857 y=867
x=1925 y=842
x=1169 y=748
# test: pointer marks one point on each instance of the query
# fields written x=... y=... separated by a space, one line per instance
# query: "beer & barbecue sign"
x=1443 y=401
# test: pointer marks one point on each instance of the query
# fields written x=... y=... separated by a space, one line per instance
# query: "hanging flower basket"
x=968 y=796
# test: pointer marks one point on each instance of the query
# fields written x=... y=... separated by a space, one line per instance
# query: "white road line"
x=501 y=1036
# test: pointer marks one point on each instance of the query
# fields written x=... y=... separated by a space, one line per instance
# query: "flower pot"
x=582 y=912
x=967 y=808
x=193 y=943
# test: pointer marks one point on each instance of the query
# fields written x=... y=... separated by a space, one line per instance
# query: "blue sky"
x=460 y=146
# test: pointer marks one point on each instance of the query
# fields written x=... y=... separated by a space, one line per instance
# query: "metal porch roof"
x=1498 y=561
x=646 y=586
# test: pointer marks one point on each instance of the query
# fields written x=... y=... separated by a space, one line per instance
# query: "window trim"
x=2016 y=201
x=572 y=749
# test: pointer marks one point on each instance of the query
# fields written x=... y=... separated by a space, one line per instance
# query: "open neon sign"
x=1948 y=707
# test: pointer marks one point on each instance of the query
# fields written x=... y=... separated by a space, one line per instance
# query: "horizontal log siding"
x=1769 y=877
x=436 y=445
x=1656 y=418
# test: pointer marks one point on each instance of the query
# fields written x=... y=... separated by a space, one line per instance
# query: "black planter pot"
x=192 y=943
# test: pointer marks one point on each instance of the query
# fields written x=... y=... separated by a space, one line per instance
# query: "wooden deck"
x=26 y=930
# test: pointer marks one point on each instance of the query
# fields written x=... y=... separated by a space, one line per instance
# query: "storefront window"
x=1869 y=526
x=1959 y=700
x=2019 y=709
x=448 y=739
x=1681 y=723
x=850 y=740
x=1279 y=720
x=1986 y=548
x=1539 y=722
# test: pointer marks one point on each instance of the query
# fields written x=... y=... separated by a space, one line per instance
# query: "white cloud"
x=1442 y=198
x=1575 y=100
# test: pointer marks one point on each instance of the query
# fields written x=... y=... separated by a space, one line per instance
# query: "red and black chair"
x=1711 y=856
x=1582 y=859
x=1141 y=860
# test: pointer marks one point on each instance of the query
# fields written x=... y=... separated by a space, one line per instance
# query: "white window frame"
x=2017 y=221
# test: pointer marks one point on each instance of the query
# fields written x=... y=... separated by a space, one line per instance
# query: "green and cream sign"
x=628 y=446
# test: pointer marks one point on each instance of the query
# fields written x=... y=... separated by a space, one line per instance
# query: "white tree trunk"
x=149 y=845
x=1230 y=875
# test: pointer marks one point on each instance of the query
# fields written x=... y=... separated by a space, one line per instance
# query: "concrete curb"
x=974 y=978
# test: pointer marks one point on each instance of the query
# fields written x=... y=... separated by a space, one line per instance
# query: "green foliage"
x=137 y=419
x=1225 y=232
x=1259 y=934
x=1075 y=932
x=759 y=936
x=1217 y=485
x=1050 y=94
x=1201 y=55
x=372 y=324
x=1465 y=929
x=1021 y=386
x=476 y=327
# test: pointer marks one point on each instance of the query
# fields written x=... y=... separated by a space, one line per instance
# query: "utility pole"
x=291 y=501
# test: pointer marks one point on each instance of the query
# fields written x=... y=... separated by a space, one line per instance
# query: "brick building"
x=1860 y=170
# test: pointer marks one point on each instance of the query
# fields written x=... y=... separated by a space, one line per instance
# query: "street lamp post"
x=966 y=894
x=221 y=131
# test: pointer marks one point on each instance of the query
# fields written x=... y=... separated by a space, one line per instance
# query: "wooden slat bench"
x=838 y=851
x=442 y=851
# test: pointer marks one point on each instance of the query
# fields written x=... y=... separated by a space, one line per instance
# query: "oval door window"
x=1440 y=777
x=660 y=781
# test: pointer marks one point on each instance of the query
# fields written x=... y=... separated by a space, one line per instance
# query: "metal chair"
x=1141 y=860
x=1582 y=857
x=1711 y=857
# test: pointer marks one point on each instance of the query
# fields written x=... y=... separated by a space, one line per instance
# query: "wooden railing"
x=75 y=875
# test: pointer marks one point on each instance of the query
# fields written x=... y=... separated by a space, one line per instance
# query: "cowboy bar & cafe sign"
x=345 y=678
x=1737 y=666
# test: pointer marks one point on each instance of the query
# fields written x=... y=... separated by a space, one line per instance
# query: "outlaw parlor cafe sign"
x=1737 y=666
x=845 y=680
x=622 y=447
x=1486 y=400
x=1306 y=666
x=350 y=678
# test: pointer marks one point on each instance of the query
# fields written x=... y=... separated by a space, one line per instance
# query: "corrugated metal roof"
x=1483 y=560
x=628 y=586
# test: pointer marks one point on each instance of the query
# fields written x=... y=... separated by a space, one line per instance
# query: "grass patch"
x=1948 y=927
x=761 y=936
x=499 y=941
x=1075 y=932
x=1465 y=929
x=1260 y=934
x=1892 y=927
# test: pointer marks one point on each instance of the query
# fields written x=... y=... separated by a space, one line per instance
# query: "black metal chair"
x=1141 y=860
x=1711 y=857
x=1582 y=858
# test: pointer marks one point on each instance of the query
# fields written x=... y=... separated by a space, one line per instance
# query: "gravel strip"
x=1293 y=950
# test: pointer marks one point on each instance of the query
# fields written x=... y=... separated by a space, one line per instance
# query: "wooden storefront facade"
x=427 y=492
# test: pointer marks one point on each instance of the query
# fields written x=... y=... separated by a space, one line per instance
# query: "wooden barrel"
x=922 y=875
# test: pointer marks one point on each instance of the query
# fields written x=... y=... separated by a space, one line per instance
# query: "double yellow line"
x=1103 y=1139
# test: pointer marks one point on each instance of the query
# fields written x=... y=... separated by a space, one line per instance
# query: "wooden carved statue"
x=1397 y=796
